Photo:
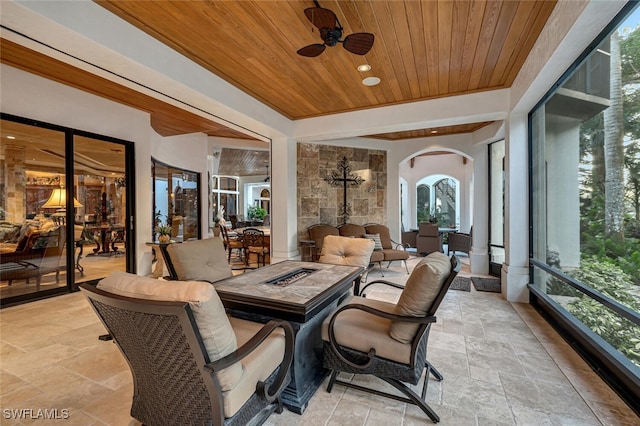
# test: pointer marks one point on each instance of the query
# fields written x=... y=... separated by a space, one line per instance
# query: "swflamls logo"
x=35 y=414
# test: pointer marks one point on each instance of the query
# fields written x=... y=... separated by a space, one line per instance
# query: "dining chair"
x=231 y=244
x=254 y=242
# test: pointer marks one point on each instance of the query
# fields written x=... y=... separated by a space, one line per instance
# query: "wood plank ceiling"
x=423 y=49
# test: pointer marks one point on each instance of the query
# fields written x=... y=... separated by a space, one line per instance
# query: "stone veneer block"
x=308 y=150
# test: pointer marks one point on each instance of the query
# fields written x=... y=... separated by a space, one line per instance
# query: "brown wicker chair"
x=372 y=337
x=459 y=241
x=175 y=381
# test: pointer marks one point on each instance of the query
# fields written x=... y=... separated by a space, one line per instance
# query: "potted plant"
x=255 y=212
x=164 y=233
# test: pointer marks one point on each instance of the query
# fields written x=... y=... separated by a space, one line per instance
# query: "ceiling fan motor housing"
x=330 y=36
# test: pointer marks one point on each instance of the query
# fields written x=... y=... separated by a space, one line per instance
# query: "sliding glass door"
x=64 y=210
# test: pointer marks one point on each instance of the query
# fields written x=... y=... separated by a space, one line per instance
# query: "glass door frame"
x=130 y=252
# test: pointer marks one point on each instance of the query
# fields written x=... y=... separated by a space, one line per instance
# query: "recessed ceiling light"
x=11 y=137
x=371 y=81
x=364 y=67
x=434 y=131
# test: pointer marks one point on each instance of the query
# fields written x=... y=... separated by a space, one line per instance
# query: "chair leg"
x=381 y=272
x=405 y=265
x=435 y=373
x=414 y=398
x=332 y=380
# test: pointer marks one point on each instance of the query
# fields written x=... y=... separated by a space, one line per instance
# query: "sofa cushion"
x=376 y=240
x=200 y=260
x=217 y=335
x=393 y=254
x=383 y=231
x=419 y=293
x=352 y=230
x=346 y=251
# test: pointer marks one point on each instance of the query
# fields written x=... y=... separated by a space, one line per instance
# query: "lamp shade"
x=58 y=200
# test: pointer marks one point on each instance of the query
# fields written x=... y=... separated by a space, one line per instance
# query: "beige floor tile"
x=502 y=363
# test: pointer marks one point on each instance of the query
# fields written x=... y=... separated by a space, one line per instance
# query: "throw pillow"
x=376 y=240
x=215 y=329
x=346 y=251
x=420 y=291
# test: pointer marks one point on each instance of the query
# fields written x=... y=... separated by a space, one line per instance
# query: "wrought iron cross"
x=344 y=177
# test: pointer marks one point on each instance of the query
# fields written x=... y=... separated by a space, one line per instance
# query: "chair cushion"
x=362 y=331
x=257 y=366
x=217 y=335
x=346 y=251
x=318 y=232
x=376 y=240
x=200 y=260
x=419 y=292
x=392 y=254
x=352 y=230
x=383 y=231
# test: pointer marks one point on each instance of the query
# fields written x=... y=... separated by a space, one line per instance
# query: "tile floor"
x=503 y=365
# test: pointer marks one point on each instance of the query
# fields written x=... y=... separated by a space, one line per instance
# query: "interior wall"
x=319 y=202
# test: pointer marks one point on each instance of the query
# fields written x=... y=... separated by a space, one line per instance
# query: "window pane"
x=585 y=187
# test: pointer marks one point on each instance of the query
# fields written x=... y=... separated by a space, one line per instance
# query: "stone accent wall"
x=15 y=183
x=318 y=202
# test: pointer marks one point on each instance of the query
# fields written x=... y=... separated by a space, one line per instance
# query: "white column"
x=393 y=196
x=283 y=200
x=479 y=256
x=515 y=270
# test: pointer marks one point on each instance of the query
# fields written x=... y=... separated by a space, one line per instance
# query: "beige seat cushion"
x=200 y=260
x=419 y=292
x=257 y=366
x=346 y=251
x=217 y=335
x=392 y=254
x=362 y=331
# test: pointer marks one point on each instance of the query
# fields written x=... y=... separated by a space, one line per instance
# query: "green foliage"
x=255 y=212
x=611 y=281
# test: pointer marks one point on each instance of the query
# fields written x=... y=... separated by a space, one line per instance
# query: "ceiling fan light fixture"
x=364 y=67
x=371 y=81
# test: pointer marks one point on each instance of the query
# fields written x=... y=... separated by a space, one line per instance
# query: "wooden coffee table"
x=304 y=293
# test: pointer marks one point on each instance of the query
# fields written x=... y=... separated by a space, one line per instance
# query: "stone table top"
x=303 y=297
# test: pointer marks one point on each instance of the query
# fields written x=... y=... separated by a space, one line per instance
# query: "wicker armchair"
x=389 y=341
x=458 y=241
x=178 y=376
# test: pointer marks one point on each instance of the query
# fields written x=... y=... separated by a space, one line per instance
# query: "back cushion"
x=383 y=231
x=346 y=251
x=317 y=233
x=423 y=285
x=216 y=332
x=200 y=260
x=352 y=230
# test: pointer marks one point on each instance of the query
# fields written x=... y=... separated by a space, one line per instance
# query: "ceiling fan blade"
x=312 y=50
x=321 y=17
x=358 y=43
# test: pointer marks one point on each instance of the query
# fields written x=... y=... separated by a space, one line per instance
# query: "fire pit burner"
x=291 y=277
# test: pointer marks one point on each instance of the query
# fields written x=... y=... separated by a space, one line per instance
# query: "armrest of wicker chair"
x=282 y=379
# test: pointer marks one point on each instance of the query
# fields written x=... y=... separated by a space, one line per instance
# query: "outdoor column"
x=479 y=256
x=284 y=215
x=515 y=270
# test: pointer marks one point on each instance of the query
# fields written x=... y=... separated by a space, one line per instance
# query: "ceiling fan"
x=331 y=33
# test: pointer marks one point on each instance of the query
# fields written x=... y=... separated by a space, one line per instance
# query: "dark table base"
x=307 y=372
